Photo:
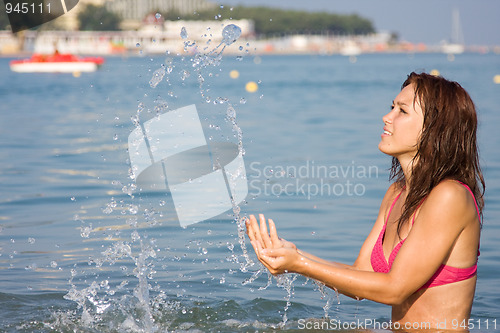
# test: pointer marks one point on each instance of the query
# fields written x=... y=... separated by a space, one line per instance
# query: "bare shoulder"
x=451 y=198
x=451 y=192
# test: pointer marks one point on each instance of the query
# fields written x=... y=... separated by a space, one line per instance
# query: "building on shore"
x=133 y=12
x=150 y=39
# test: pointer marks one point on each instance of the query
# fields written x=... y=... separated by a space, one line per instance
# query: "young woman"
x=421 y=254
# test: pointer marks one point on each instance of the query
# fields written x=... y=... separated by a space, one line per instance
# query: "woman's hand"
x=278 y=255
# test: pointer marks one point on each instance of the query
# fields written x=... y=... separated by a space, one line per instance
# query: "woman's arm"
x=271 y=240
x=440 y=221
x=256 y=232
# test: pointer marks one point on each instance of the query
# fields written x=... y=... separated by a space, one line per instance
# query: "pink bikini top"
x=444 y=275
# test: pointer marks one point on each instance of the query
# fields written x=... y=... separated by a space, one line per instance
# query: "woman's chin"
x=385 y=148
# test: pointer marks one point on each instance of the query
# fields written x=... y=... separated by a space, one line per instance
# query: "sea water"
x=80 y=251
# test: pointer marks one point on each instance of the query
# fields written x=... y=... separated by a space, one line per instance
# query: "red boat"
x=56 y=63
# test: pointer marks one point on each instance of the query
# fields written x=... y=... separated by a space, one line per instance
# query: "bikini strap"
x=477 y=210
x=473 y=197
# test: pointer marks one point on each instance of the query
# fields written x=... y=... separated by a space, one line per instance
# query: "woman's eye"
x=402 y=111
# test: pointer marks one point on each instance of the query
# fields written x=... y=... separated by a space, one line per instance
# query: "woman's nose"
x=387 y=119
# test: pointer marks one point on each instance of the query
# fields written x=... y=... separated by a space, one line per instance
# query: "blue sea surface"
x=80 y=250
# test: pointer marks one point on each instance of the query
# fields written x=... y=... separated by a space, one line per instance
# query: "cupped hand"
x=277 y=255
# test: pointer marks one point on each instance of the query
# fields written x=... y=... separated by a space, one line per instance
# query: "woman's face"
x=403 y=126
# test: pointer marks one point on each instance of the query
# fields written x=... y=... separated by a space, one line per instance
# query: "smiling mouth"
x=387 y=132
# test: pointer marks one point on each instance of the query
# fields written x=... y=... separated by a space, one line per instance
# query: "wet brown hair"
x=447 y=147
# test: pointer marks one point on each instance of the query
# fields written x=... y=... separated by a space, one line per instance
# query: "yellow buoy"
x=252 y=87
x=435 y=72
x=496 y=79
x=234 y=74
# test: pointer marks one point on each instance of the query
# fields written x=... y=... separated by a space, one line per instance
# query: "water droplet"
x=243 y=100
x=230 y=34
x=162 y=202
x=85 y=231
x=135 y=236
x=185 y=74
x=157 y=77
x=31 y=267
x=53 y=264
x=158 y=15
x=133 y=209
x=241 y=48
x=73 y=199
x=138 y=45
x=115 y=137
x=184 y=34
x=31 y=240
x=204 y=250
x=135 y=120
x=231 y=112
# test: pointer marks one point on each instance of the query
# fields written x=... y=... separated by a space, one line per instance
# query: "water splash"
x=325 y=294
x=201 y=63
x=139 y=311
x=286 y=282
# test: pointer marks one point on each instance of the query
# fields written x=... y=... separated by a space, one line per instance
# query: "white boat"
x=456 y=46
x=56 y=63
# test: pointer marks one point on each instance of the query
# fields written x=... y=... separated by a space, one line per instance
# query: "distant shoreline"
x=155 y=42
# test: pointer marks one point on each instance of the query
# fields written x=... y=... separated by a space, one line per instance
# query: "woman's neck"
x=407 y=167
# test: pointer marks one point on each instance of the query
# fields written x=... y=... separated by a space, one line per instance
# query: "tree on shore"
x=272 y=21
x=98 y=18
